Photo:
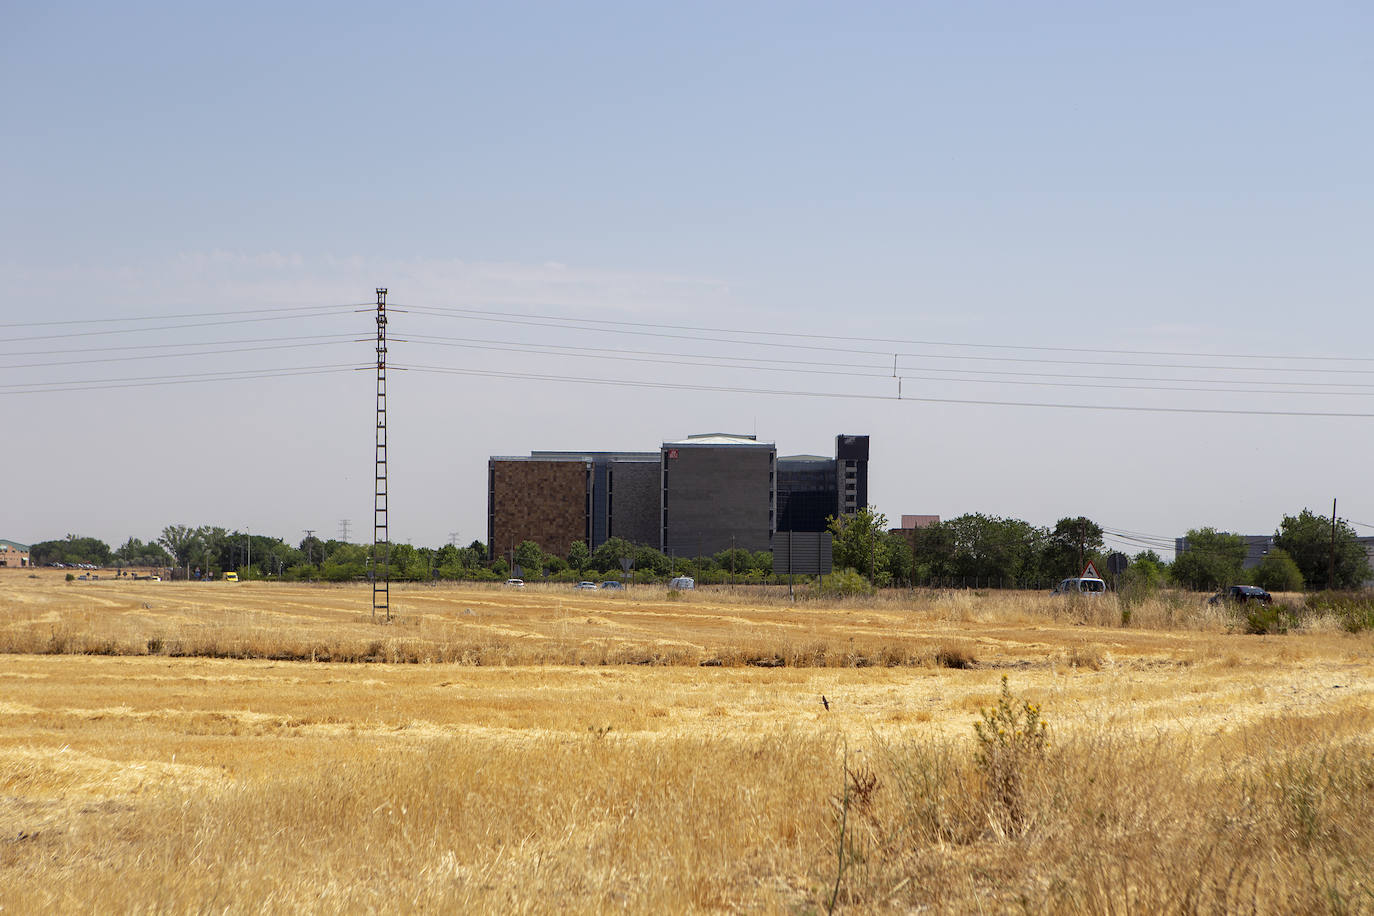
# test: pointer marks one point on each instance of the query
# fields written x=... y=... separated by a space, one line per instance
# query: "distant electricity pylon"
x=343 y=529
x=381 y=538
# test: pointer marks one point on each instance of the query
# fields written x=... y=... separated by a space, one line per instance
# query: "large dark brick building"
x=693 y=497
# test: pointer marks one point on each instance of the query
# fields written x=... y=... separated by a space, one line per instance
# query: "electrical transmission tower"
x=381 y=538
x=343 y=529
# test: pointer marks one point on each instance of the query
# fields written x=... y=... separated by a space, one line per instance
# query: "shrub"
x=1270 y=619
x=1141 y=581
x=1278 y=573
x=845 y=583
x=1355 y=610
x=1012 y=739
x=956 y=655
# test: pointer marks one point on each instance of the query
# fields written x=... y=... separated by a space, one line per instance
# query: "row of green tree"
x=208 y=551
x=1308 y=552
x=617 y=557
x=972 y=549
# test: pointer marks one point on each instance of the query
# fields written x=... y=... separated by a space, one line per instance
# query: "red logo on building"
x=672 y=453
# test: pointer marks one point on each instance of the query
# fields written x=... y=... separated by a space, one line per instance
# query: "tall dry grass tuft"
x=1113 y=820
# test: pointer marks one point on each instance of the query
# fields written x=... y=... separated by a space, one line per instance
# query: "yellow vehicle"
x=231 y=577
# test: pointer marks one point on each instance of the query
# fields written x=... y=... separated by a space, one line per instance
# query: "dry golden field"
x=247 y=747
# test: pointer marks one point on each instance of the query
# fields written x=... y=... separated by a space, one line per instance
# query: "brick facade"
x=13 y=554
x=547 y=502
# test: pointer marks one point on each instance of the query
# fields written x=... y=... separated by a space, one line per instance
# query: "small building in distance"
x=14 y=554
x=912 y=524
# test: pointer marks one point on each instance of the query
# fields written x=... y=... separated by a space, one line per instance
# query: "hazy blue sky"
x=1164 y=177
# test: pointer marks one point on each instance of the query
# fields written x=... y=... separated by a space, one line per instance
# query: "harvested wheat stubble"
x=1186 y=768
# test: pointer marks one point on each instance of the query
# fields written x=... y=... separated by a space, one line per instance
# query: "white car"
x=515 y=583
x=1080 y=587
x=587 y=585
x=682 y=583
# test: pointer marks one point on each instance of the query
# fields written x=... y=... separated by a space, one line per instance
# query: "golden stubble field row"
x=551 y=750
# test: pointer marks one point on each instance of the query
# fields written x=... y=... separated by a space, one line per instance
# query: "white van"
x=682 y=582
x=1080 y=587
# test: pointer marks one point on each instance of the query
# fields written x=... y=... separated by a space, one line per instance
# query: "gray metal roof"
x=717 y=439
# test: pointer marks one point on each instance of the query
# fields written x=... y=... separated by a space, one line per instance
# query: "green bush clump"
x=1272 y=619
x=845 y=583
x=1355 y=610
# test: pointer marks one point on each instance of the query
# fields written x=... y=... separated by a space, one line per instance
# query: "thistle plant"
x=1012 y=738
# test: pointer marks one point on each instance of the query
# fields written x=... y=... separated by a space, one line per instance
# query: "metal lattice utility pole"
x=381 y=538
x=1331 y=570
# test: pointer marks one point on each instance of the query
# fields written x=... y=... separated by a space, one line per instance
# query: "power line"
x=571 y=325
x=218 y=314
x=885 y=367
x=152 y=381
x=614 y=323
x=173 y=327
x=211 y=352
x=168 y=346
x=665 y=358
x=630 y=383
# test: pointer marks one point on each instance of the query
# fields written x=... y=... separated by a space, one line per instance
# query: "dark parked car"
x=1242 y=594
x=611 y=584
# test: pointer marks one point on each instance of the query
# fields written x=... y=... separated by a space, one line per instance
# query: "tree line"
x=990 y=551
x=970 y=550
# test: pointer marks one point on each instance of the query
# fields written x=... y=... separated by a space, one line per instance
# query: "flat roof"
x=718 y=439
x=613 y=456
